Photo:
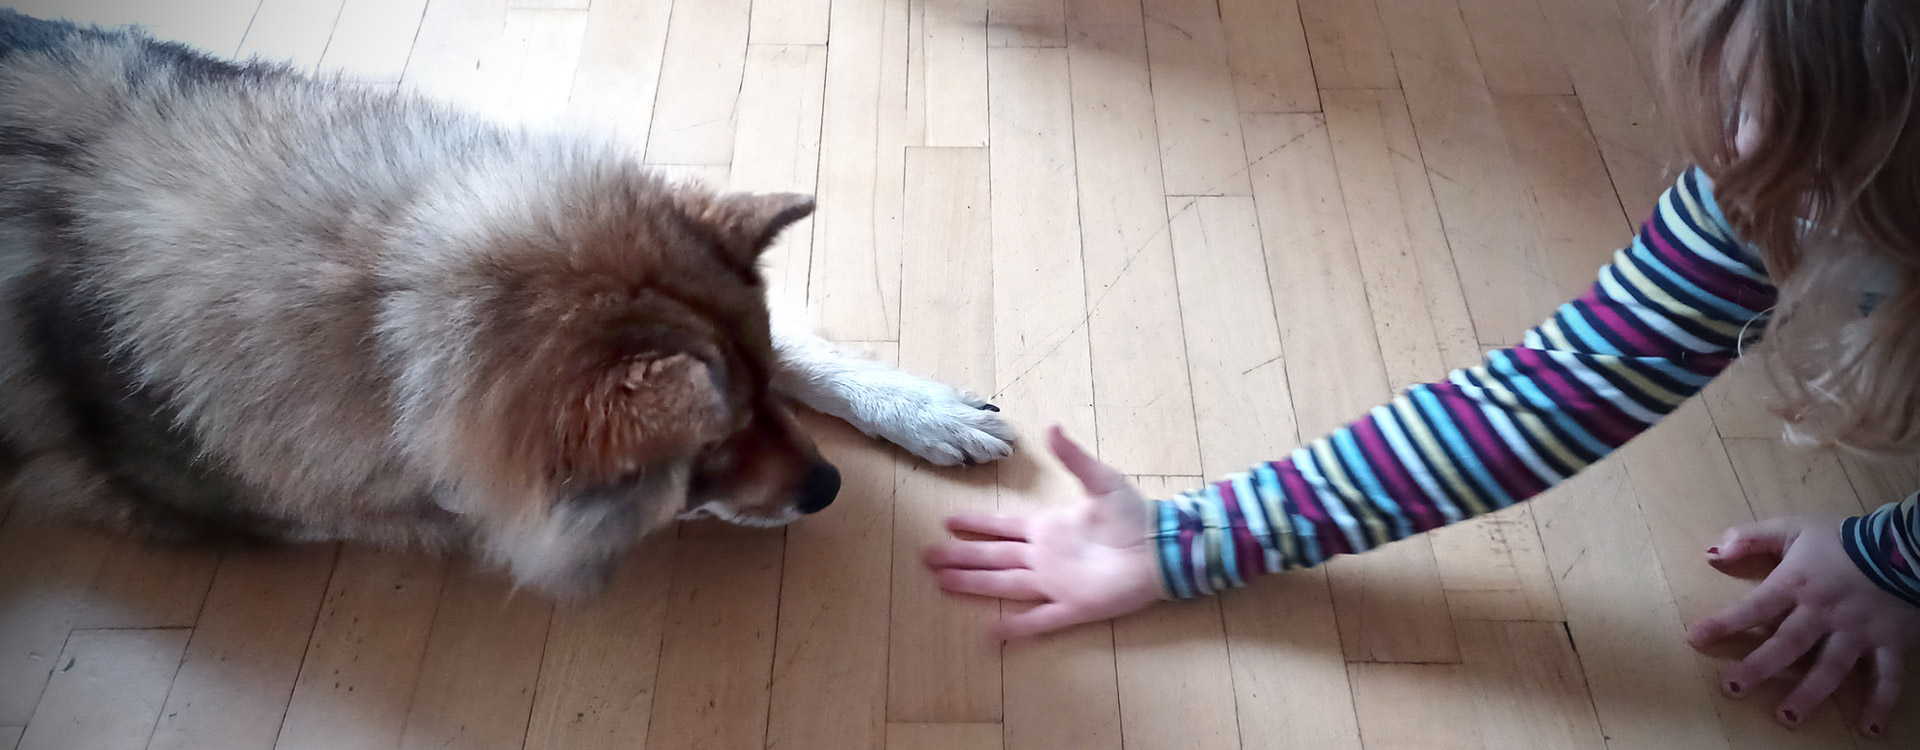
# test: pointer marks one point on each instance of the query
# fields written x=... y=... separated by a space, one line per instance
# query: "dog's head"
x=600 y=344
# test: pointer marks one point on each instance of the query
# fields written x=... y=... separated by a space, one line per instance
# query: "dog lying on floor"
x=238 y=300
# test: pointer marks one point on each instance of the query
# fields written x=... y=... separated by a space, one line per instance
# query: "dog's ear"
x=744 y=224
x=647 y=407
x=590 y=420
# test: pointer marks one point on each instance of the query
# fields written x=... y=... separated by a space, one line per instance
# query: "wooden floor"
x=1193 y=231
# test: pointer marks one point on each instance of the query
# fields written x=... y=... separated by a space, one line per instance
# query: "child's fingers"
x=1096 y=477
x=1837 y=658
x=1000 y=584
x=977 y=555
x=1887 y=666
x=1765 y=537
x=988 y=524
x=1763 y=605
x=1045 y=618
x=1797 y=636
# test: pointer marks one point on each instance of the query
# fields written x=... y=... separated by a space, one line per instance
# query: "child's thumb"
x=1769 y=537
x=1096 y=477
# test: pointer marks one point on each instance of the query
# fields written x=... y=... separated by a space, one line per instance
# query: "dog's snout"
x=822 y=485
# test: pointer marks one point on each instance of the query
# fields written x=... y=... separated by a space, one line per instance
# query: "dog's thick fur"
x=237 y=299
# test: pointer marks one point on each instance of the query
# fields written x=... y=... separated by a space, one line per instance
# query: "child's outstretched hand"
x=1820 y=601
x=1085 y=561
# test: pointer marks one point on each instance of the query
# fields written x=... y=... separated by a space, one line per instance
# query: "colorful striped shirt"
x=1670 y=312
x=1884 y=544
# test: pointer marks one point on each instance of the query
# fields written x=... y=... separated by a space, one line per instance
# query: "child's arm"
x=1664 y=319
x=1885 y=545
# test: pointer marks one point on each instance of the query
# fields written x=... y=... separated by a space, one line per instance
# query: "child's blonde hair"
x=1826 y=185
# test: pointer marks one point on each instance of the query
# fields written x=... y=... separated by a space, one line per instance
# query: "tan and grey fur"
x=237 y=299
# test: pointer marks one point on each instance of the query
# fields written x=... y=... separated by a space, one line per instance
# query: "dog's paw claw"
x=940 y=424
x=951 y=429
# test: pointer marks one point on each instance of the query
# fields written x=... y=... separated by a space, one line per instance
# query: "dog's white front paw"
x=959 y=429
x=933 y=421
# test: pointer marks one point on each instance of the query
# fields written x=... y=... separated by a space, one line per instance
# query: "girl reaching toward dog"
x=1803 y=220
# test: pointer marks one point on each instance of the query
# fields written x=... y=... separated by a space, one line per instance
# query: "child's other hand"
x=1086 y=561
x=1820 y=601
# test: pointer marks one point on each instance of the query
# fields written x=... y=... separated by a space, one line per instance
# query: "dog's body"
x=236 y=298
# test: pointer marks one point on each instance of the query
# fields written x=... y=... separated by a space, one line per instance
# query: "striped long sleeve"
x=1664 y=318
x=1885 y=544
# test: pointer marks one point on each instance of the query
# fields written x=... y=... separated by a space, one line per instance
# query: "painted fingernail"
x=1791 y=717
x=1734 y=687
x=1713 y=550
x=1873 y=730
x=989 y=407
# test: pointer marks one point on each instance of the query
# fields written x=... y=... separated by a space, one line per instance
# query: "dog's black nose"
x=821 y=487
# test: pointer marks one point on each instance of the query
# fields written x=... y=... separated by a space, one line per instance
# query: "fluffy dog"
x=238 y=300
